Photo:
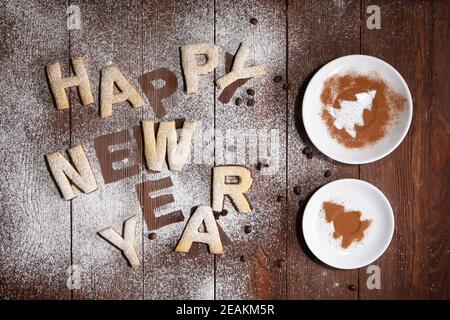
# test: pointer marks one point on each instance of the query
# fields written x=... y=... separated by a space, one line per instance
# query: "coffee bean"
x=297 y=190
x=327 y=174
x=281 y=198
x=352 y=287
x=224 y=212
x=306 y=150
x=309 y=155
x=254 y=21
x=286 y=86
x=243 y=258
x=251 y=102
x=281 y=263
x=250 y=92
x=152 y=236
x=238 y=101
x=248 y=229
x=260 y=165
x=277 y=79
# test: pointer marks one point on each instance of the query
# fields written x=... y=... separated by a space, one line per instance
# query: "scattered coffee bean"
x=281 y=198
x=254 y=21
x=224 y=212
x=238 y=101
x=251 y=102
x=250 y=92
x=248 y=229
x=297 y=190
x=260 y=165
x=306 y=150
x=277 y=79
x=327 y=174
x=152 y=236
x=309 y=155
x=243 y=258
x=352 y=287
x=286 y=86
x=281 y=263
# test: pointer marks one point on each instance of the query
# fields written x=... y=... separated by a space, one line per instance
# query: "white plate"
x=354 y=195
x=317 y=130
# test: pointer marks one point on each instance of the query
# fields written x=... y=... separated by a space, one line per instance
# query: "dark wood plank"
x=259 y=276
x=111 y=33
x=34 y=220
x=167 y=26
x=404 y=41
x=439 y=240
x=318 y=32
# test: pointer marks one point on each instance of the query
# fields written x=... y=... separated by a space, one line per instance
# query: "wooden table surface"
x=41 y=235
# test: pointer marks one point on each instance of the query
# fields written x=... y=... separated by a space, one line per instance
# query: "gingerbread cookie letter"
x=238 y=71
x=58 y=84
x=111 y=76
x=82 y=175
x=211 y=237
x=126 y=242
x=233 y=190
x=190 y=67
x=155 y=147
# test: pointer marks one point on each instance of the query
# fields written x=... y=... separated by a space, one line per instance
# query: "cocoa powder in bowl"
x=386 y=106
x=347 y=224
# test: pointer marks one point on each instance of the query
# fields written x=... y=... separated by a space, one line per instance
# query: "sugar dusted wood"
x=111 y=33
x=166 y=140
x=258 y=277
x=318 y=31
x=81 y=175
x=58 y=83
x=163 y=36
x=238 y=71
x=191 y=69
x=111 y=75
x=211 y=237
x=235 y=191
x=313 y=40
x=125 y=241
x=35 y=221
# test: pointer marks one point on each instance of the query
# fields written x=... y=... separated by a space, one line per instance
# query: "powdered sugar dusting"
x=35 y=221
x=169 y=274
x=266 y=40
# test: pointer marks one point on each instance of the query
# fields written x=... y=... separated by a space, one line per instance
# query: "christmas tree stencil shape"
x=351 y=113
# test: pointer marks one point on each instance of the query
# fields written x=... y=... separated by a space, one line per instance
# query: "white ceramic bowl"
x=354 y=195
x=317 y=130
